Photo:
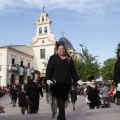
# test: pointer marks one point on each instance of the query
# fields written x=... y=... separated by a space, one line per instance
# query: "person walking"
x=22 y=99
x=14 y=94
x=117 y=69
x=105 y=91
x=73 y=94
x=60 y=70
x=33 y=92
x=93 y=95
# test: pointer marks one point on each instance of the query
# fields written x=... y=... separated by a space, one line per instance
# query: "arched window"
x=45 y=30
x=43 y=19
x=13 y=78
x=40 y=30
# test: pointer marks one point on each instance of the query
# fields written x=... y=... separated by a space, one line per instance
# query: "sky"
x=96 y=23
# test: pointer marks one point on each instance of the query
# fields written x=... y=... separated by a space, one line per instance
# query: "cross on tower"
x=43 y=8
x=63 y=33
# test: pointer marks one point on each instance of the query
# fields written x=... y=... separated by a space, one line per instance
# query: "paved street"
x=82 y=111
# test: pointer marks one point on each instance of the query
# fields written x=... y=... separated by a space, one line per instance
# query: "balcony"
x=21 y=70
x=13 y=68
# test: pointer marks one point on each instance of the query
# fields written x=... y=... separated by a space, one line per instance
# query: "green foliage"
x=107 y=71
x=89 y=66
x=118 y=47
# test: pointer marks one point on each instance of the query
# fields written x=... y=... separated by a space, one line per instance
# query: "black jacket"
x=34 y=90
x=63 y=71
x=117 y=72
x=22 y=98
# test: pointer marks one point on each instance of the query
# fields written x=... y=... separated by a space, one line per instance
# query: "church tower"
x=43 y=43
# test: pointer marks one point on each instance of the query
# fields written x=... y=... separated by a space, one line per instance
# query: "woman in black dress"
x=33 y=92
x=73 y=94
x=93 y=95
x=117 y=69
x=22 y=99
x=60 y=69
x=14 y=93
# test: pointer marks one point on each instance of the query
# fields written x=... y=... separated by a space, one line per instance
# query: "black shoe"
x=98 y=107
x=92 y=107
x=58 y=117
x=103 y=106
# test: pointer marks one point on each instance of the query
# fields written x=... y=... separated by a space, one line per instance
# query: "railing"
x=21 y=70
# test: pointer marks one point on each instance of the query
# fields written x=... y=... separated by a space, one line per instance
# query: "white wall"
x=3 y=63
x=37 y=62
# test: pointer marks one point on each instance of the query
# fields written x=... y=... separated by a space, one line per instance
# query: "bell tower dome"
x=43 y=30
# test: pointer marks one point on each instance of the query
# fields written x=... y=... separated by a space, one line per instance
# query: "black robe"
x=22 y=98
x=73 y=94
x=14 y=93
x=33 y=92
x=93 y=96
x=117 y=72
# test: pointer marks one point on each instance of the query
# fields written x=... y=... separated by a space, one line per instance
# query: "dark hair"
x=118 y=53
x=92 y=78
x=36 y=72
x=60 y=43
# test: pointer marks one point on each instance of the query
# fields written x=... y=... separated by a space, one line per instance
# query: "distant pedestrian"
x=14 y=93
x=73 y=94
x=117 y=69
x=117 y=95
x=33 y=92
x=22 y=99
x=93 y=95
x=104 y=92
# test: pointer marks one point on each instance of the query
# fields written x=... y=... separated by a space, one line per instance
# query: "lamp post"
x=0 y=80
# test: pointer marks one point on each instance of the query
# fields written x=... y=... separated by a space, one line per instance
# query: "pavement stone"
x=82 y=111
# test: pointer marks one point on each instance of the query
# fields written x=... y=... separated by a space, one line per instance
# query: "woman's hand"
x=49 y=82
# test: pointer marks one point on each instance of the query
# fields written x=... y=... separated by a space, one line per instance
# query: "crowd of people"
x=60 y=85
x=100 y=94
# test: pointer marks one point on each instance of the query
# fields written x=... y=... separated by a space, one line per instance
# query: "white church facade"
x=18 y=62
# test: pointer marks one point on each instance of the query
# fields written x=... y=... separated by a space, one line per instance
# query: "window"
x=42 y=53
x=45 y=30
x=42 y=19
x=21 y=63
x=13 y=61
x=28 y=64
x=40 y=30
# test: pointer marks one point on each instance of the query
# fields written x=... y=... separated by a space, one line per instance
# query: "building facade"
x=18 y=62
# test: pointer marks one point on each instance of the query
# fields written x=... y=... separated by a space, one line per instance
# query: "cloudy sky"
x=96 y=23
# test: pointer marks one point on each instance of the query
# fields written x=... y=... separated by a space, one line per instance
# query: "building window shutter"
x=42 y=53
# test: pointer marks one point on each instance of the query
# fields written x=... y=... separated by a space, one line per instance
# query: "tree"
x=118 y=47
x=90 y=66
x=107 y=71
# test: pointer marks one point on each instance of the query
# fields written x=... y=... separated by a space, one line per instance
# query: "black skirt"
x=60 y=90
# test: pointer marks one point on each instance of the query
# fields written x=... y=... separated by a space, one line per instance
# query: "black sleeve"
x=41 y=92
x=49 y=69
x=28 y=89
x=116 y=72
x=70 y=92
x=88 y=90
x=74 y=73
